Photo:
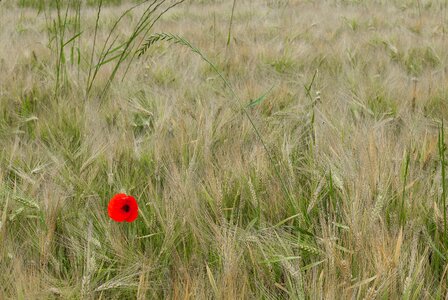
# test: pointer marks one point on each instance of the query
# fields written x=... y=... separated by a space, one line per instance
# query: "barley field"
x=277 y=149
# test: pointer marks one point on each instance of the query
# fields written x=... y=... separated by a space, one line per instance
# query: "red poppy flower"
x=122 y=208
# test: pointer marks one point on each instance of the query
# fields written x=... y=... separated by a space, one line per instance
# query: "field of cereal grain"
x=276 y=149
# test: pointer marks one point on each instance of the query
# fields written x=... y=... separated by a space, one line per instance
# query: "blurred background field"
x=277 y=149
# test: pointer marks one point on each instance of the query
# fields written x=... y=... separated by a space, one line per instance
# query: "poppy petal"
x=115 y=208
x=133 y=209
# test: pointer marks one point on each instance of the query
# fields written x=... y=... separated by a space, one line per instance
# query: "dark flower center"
x=126 y=208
